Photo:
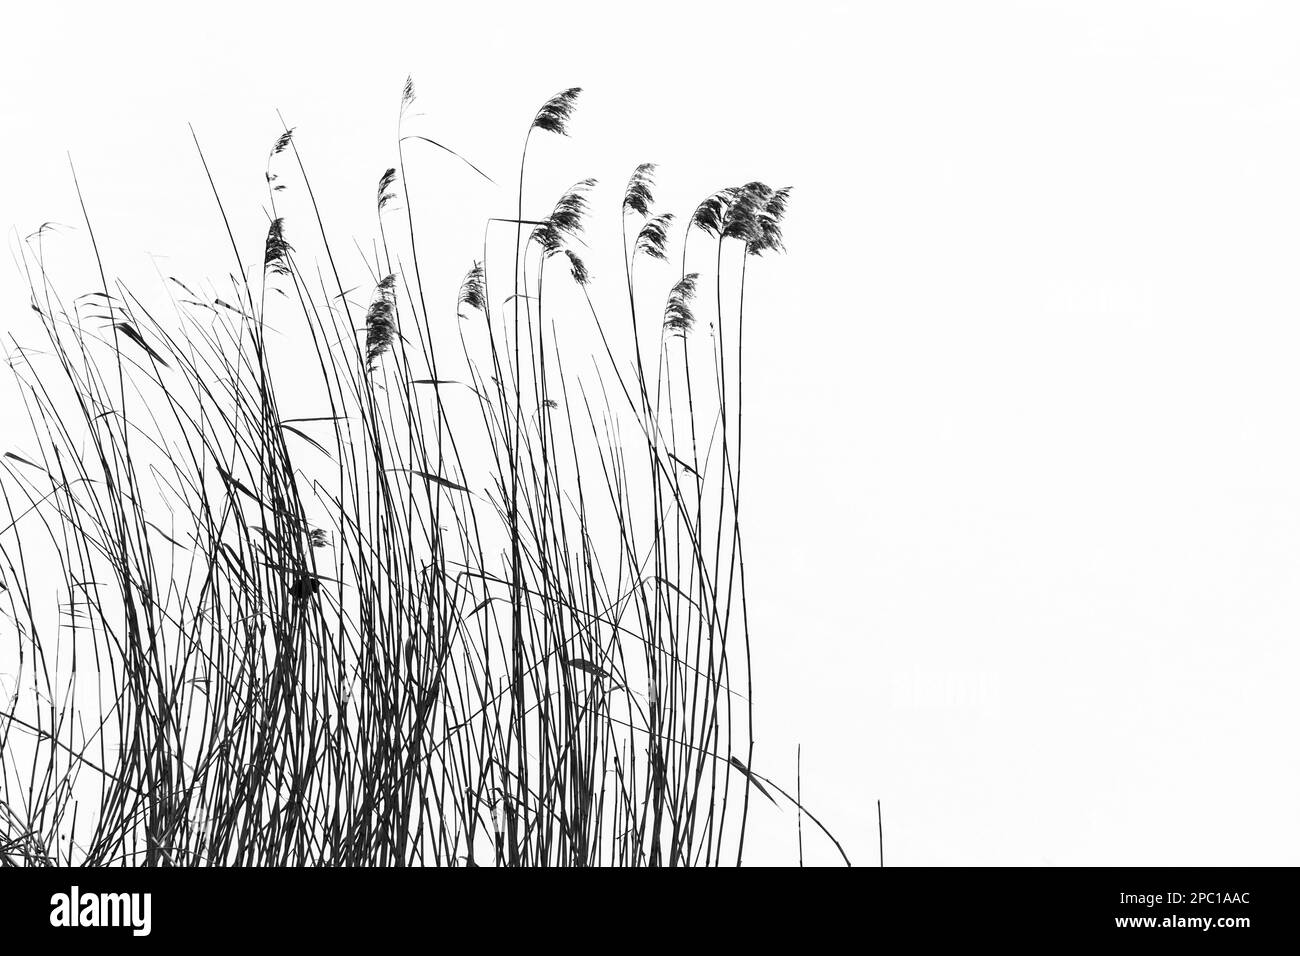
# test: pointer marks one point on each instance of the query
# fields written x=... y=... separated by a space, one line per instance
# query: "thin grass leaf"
x=448 y=149
x=753 y=778
x=130 y=332
x=308 y=439
x=436 y=479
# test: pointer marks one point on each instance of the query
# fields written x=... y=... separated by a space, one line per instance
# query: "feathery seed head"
x=276 y=260
x=767 y=222
x=577 y=268
x=555 y=112
x=754 y=216
x=564 y=224
x=282 y=142
x=385 y=183
x=381 y=320
x=472 y=290
x=639 y=196
x=678 y=317
x=709 y=214
x=653 y=237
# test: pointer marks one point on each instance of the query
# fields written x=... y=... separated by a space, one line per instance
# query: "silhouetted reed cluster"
x=485 y=604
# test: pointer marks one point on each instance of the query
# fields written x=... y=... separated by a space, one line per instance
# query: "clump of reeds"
x=475 y=608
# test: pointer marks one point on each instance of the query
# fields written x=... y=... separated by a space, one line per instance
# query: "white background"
x=1023 y=472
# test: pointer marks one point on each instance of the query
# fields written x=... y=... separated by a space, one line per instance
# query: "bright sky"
x=1024 y=480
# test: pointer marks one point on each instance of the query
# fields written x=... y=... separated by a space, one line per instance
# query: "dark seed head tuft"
x=555 y=112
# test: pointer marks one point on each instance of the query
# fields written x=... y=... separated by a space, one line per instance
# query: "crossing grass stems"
x=492 y=618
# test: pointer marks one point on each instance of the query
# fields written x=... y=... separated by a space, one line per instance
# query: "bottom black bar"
x=1228 y=907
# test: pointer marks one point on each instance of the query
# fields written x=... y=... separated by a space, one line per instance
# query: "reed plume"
x=678 y=317
x=276 y=259
x=639 y=195
x=556 y=112
x=381 y=320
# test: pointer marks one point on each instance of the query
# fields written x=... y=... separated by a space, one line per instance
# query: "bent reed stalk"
x=475 y=608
